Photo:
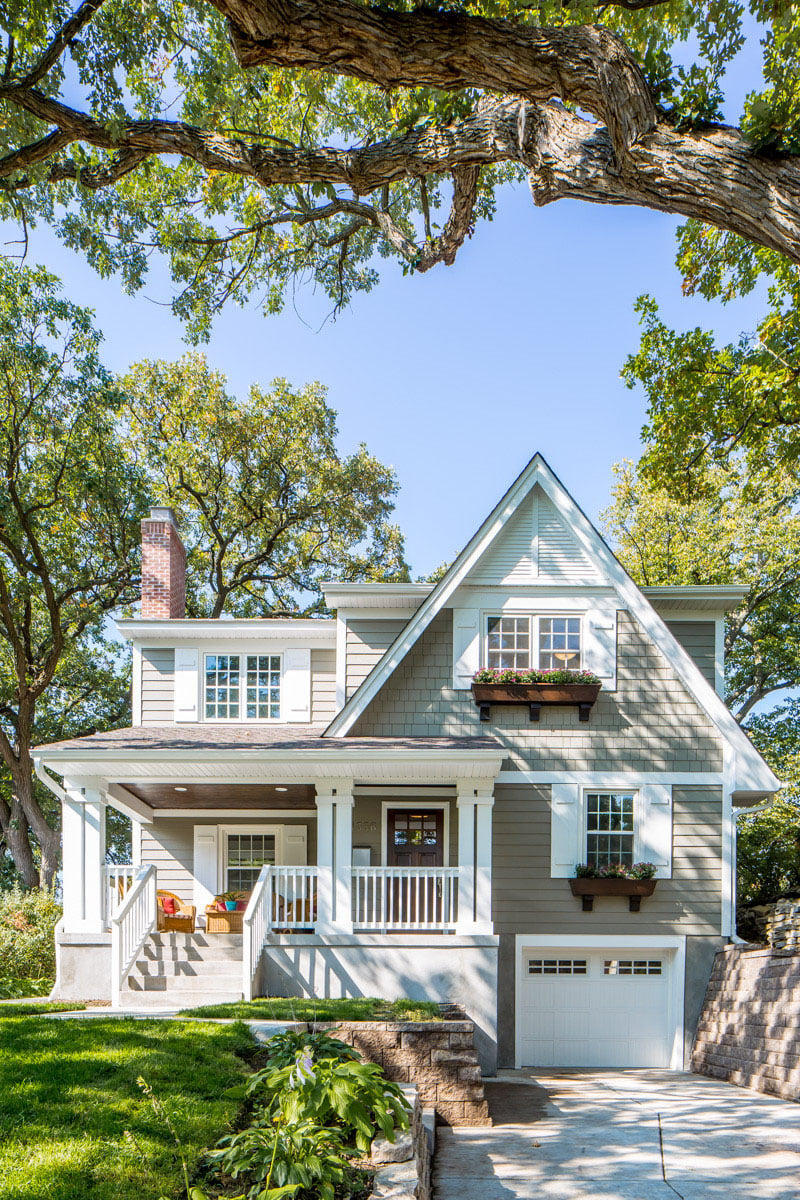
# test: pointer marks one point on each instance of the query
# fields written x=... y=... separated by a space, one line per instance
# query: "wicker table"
x=223 y=922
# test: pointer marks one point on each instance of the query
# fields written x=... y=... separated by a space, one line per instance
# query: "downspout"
x=49 y=782
x=736 y=813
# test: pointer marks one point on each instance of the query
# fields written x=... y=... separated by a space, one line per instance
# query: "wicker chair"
x=181 y=921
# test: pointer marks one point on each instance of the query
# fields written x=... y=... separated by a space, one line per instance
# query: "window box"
x=634 y=889
x=583 y=695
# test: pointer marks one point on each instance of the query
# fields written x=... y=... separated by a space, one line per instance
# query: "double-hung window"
x=522 y=643
x=243 y=687
x=610 y=828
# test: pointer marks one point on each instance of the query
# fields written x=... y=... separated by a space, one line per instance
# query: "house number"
x=367 y=826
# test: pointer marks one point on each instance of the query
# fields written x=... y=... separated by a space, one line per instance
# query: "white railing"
x=131 y=924
x=118 y=882
x=283 y=898
x=410 y=898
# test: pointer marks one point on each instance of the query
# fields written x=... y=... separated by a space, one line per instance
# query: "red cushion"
x=241 y=905
x=169 y=905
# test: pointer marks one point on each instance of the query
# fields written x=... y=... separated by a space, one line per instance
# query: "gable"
x=534 y=545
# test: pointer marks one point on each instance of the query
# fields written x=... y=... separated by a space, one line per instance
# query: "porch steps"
x=186 y=970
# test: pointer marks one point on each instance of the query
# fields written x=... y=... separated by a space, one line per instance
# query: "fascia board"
x=172 y=631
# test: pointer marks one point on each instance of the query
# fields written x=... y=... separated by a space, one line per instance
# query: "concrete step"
x=157 y=1001
x=152 y=968
x=185 y=983
x=187 y=940
x=193 y=953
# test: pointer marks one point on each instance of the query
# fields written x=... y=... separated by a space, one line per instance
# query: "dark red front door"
x=416 y=837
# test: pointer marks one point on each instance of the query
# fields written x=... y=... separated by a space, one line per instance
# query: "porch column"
x=84 y=854
x=475 y=801
x=334 y=856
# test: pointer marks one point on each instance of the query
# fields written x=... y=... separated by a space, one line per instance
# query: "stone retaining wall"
x=404 y=1168
x=778 y=924
x=749 y=1029
x=438 y=1056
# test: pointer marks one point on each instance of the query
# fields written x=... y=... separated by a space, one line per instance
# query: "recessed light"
x=281 y=789
x=180 y=789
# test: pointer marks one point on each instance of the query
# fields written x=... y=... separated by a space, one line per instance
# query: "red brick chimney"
x=163 y=566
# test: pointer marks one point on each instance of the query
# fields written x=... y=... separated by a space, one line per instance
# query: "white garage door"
x=595 y=1008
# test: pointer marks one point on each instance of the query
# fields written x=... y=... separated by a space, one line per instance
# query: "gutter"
x=49 y=782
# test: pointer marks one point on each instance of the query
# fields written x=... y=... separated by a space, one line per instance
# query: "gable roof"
x=748 y=770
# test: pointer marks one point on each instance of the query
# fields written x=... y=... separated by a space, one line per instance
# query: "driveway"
x=623 y=1135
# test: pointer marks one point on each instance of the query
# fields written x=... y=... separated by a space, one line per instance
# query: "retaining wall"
x=438 y=1056
x=749 y=1029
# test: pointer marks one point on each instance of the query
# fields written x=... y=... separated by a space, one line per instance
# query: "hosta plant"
x=279 y=1159
x=283 y=1049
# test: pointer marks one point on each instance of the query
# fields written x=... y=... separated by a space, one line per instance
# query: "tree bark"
x=15 y=829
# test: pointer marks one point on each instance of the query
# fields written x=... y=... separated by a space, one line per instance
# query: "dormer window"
x=242 y=687
x=520 y=643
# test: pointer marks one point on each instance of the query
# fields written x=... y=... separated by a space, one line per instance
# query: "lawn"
x=74 y=1124
x=276 y=1008
x=28 y=1010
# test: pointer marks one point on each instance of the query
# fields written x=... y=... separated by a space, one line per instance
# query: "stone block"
x=398 y=1151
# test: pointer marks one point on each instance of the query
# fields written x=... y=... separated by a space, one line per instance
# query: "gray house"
x=328 y=811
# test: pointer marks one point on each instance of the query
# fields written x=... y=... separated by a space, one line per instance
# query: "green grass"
x=30 y=1010
x=363 y=1009
x=74 y=1125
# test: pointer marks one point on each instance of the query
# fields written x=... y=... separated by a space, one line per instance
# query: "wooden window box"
x=535 y=695
x=634 y=889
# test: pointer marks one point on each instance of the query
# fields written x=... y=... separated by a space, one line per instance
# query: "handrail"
x=405 y=898
x=131 y=925
x=255 y=925
x=119 y=879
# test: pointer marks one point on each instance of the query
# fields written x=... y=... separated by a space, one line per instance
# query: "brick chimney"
x=163 y=566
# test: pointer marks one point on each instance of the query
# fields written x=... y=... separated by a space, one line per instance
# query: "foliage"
x=739 y=526
x=22 y=987
x=641 y=870
x=294 y=1155
x=72 y=1121
x=276 y=1008
x=768 y=843
x=269 y=507
x=69 y=512
x=27 y=943
x=507 y=675
x=228 y=234
x=283 y=1049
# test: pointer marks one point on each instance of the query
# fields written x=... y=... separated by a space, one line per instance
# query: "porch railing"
x=410 y=898
x=131 y=924
x=118 y=882
x=284 y=898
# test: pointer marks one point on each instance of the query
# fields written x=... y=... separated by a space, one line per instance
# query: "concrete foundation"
x=421 y=967
x=83 y=966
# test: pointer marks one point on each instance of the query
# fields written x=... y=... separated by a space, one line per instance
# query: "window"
x=557 y=966
x=247 y=854
x=560 y=643
x=609 y=828
x=544 y=643
x=257 y=677
x=509 y=643
x=632 y=966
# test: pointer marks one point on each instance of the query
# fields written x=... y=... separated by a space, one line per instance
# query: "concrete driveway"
x=623 y=1135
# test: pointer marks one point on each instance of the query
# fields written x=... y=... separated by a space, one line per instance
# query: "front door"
x=416 y=837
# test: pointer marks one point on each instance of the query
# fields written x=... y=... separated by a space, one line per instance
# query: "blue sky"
x=458 y=376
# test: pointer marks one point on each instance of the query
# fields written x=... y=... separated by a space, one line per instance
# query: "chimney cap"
x=159 y=512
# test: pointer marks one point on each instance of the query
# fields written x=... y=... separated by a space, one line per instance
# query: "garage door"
x=595 y=1008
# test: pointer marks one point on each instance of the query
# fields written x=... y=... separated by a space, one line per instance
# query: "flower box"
x=634 y=889
x=535 y=695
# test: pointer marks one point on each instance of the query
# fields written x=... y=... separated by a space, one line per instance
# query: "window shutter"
x=205 y=866
x=187 y=685
x=600 y=644
x=296 y=685
x=655 y=828
x=466 y=646
x=295 y=845
x=565 y=830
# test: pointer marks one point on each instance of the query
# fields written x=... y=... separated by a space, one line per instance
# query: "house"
x=396 y=838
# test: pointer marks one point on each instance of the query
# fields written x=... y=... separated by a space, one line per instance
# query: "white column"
x=83 y=854
x=475 y=801
x=334 y=856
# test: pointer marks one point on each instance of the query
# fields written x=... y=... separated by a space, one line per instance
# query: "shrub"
x=283 y=1050
x=27 y=942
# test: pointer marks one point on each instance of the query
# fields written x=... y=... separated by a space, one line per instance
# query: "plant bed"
x=536 y=688
x=634 y=889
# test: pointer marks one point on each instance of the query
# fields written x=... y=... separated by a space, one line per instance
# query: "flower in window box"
x=642 y=870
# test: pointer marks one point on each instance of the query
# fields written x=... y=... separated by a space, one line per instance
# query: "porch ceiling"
x=219 y=796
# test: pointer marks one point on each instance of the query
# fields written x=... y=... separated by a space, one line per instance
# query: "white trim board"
x=443 y=805
x=755 y=775
x=675 y=943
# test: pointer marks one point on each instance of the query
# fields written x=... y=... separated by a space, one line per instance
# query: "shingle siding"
x=699 y=642
x=158 y=686
x=650 y=723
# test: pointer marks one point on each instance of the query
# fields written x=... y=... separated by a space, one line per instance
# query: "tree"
x=269 y=507
x=741 y=528
x=69 y=532
x=768 y=843
x=252 y=141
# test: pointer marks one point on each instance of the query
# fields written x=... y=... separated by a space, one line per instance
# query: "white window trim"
x=242 y=719
x=222 y=847
x=677 y=972
x=442 y=805
x=607 y=791
x=534 y=619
